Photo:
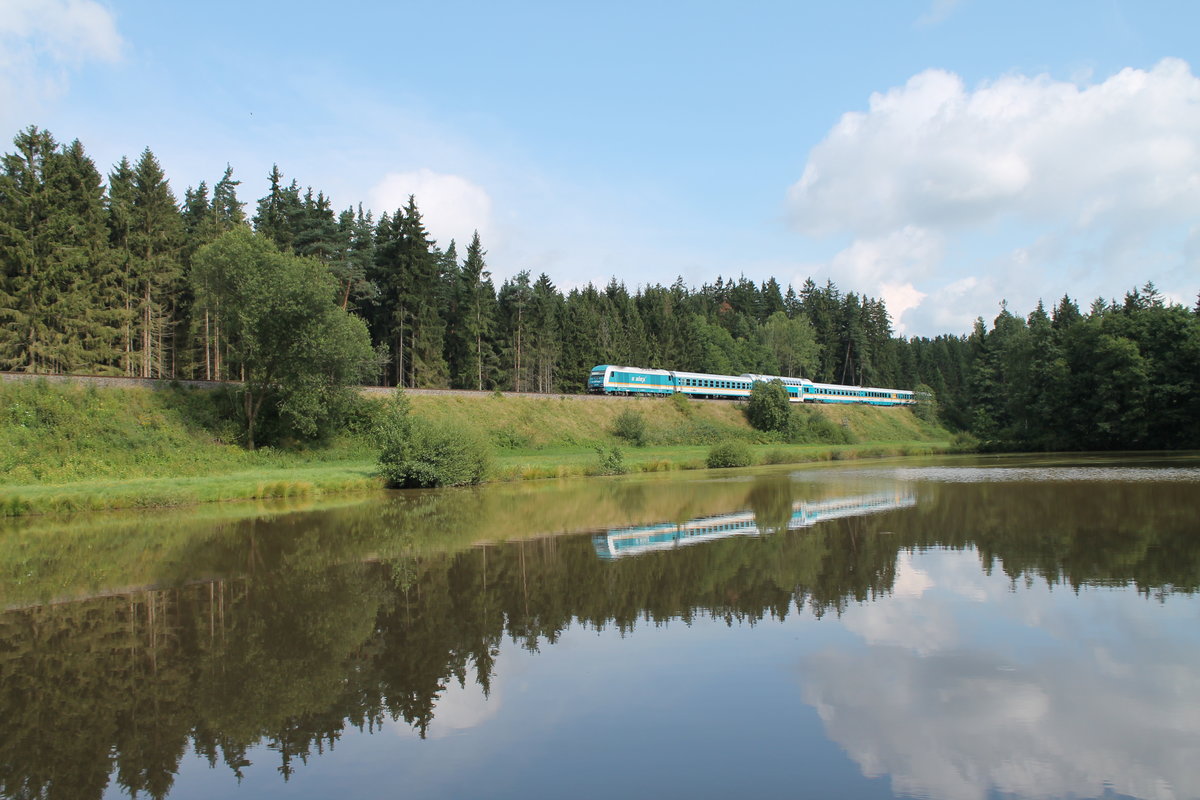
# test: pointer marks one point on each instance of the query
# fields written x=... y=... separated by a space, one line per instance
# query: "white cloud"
x=40 y=41
x=461 y=707
x=947 y=709
x=65 y=30
x=452 y=207
x=932 y=153
x=938 y=12
x=1109 y=173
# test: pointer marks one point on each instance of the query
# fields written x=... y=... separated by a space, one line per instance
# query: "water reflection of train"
x=670 y=535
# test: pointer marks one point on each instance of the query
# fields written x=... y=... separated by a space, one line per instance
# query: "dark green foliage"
x=296 y=347
x=58 y=293
x=768 y=408
x=729 y=453
x=418 y=453
x=926 y=408
x=97 y=279
x=471 y=332
x=630 y=425
x=1121 y=377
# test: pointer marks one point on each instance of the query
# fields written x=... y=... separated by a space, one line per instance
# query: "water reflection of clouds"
x=957 y=702
x=462 y=707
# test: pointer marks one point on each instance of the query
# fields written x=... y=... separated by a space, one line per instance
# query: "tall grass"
x=64 y=447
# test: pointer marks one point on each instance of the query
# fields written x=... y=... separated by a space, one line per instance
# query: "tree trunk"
x=479 y=358
x=207 y=350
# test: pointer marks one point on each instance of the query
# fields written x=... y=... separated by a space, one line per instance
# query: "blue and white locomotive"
x=608 y=379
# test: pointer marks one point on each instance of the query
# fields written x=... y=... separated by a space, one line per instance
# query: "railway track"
x=119 y=381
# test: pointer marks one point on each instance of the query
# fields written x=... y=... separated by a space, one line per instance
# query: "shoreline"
x=360 y=476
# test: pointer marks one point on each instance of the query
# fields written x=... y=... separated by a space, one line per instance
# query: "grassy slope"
x=68 y=448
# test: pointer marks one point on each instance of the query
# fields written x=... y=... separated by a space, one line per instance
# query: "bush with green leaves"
x=769 y=408
x=730 y=453
x=682 y=404
x=809 y=426
x=420 y=453
x=612 y=461
x=630 y=425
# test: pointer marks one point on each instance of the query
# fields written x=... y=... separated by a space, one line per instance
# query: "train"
x=615 y=380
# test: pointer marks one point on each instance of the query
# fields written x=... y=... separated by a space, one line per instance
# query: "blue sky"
x=942 y=155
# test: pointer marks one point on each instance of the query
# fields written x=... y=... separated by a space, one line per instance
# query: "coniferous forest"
x=116 y=275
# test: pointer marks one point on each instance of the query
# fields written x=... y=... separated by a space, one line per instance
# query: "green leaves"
x=428 y=454
x=296 y=346
x=769 y=408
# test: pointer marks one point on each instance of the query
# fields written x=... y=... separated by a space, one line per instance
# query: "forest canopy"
x=107 y=275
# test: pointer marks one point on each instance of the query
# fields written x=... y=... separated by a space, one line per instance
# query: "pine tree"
x=89 y=321
x=477 y=308
x=155 y=235
x=772 y=299
x=27 y=241
x=227 y=209
x=55 y=274
x=407 y=320
x=279 y=213
x=315 y=229
x=120 y=226
x=514 y=299
x=544 y=312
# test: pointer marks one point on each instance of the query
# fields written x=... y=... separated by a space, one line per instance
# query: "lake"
x=959 y=628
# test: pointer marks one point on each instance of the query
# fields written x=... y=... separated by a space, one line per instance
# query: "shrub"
x=809 y=426
x=768 y=408
x=433 y=454
x=682 y=404
x=730 y=453
x=612 y=461
x=778 y=456
x=964 y=442
x=630 y=425
x=510 y=438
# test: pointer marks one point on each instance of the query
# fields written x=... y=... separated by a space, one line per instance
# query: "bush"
x=778 y=456
x=431 y=454
x=612 y=461
x=809 y=426
x=769 y=407
x=964 y=442
x=682 y=404
x=730 y=453
x=630 y=425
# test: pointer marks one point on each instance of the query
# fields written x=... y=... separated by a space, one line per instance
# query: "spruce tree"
x=544 y=314
x=89 y=329
x=514 y=299
x=477 y=320
x=227 y=209
x=155 y=236
x=55 y=274
x=27 y=241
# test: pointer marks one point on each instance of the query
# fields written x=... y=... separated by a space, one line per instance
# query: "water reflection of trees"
x=361 y=620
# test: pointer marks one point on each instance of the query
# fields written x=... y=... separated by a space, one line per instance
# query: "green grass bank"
x=73 y=447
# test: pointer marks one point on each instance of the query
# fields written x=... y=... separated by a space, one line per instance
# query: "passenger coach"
x=608 y=379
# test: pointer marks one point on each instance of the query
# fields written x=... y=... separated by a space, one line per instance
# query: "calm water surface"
x=960 y=629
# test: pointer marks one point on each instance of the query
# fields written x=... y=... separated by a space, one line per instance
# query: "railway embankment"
x=70 y=444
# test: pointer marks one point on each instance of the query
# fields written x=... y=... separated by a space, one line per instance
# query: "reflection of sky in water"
x=1036 y=693
x=1047 y=474
x=954 y=686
